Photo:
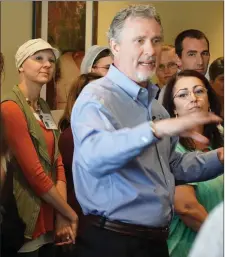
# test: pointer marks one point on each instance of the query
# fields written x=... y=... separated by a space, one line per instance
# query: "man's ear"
x=211 y=82
x=179 y=63
x=114 y=46
x=175 y=112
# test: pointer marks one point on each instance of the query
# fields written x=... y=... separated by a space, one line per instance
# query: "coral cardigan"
x=22 y=148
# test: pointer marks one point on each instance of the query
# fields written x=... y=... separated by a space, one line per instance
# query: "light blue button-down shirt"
x=120 y=170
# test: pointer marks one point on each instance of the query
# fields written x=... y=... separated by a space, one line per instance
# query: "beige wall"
x=16 y=25
x=16 y=28
x=176 y=16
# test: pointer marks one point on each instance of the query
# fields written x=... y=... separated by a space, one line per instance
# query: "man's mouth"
x=200 y=70
x=147 y=64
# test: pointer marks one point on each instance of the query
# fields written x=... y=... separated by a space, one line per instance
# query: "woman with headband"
x=39 y=183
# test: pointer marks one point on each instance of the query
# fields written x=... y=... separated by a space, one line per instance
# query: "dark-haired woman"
x=66 y=145
x=187 y=92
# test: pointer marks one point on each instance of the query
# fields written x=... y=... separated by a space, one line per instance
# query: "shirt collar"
x=132 y=88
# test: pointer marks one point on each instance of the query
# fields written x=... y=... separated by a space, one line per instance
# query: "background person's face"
x=218 y=85
x=138 y=51
x=167 y=66
x=192 y=103
x=102 y=65
x=195 y=55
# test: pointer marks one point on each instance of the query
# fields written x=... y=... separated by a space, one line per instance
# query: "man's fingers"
x=201 y=118
x=174 y=127
x=196 y=136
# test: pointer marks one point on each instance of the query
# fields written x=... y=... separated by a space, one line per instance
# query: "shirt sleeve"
x=21 y=146
x=100 y=148
x=60 y=169
x=194 y=166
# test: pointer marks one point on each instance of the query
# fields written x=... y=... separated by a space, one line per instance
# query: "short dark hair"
x=191 y=33
x=210 y=130
x=216 y=68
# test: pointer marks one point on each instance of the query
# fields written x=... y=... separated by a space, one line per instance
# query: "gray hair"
x=134 y=11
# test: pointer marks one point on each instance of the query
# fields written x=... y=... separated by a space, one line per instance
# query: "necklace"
x=37 y=110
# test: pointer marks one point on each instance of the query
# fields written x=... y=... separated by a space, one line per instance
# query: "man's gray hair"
x=133 y=11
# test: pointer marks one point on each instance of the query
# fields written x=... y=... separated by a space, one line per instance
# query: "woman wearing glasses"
x=97 y=60
x=189 y=91
x=95 y=64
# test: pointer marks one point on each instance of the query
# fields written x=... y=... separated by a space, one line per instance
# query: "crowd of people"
x=133 y=168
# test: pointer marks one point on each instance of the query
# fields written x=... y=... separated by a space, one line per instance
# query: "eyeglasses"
x=170 y=65
x=101 y=67
x=184 y=94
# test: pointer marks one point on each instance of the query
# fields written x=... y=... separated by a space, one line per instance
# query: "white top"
x=35 y=244
x=161 y=94
x=209 y=242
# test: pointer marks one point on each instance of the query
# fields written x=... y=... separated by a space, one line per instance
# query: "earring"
x=176 y=115
x=210 y=109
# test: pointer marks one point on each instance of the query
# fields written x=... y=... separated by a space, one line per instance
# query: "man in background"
x=166 y=68
x=192 y=49
x=216 y=76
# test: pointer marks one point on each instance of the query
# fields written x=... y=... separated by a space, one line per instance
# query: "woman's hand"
x=220 y=154
x=65 y=229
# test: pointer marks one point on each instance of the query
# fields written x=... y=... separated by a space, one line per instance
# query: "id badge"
x=48 y=121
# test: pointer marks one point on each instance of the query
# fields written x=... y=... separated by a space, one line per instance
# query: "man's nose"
x=166 y=70
x=199 y=59
x=149 y=48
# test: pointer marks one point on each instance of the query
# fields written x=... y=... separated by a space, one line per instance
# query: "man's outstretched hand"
x=183 y=126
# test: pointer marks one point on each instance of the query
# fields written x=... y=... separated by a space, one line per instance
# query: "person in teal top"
x=188 y=92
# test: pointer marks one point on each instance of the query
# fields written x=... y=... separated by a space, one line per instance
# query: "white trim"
x=44 y=35
x=89 y=24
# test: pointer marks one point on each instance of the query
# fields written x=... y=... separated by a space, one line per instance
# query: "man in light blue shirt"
x=124 y=163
